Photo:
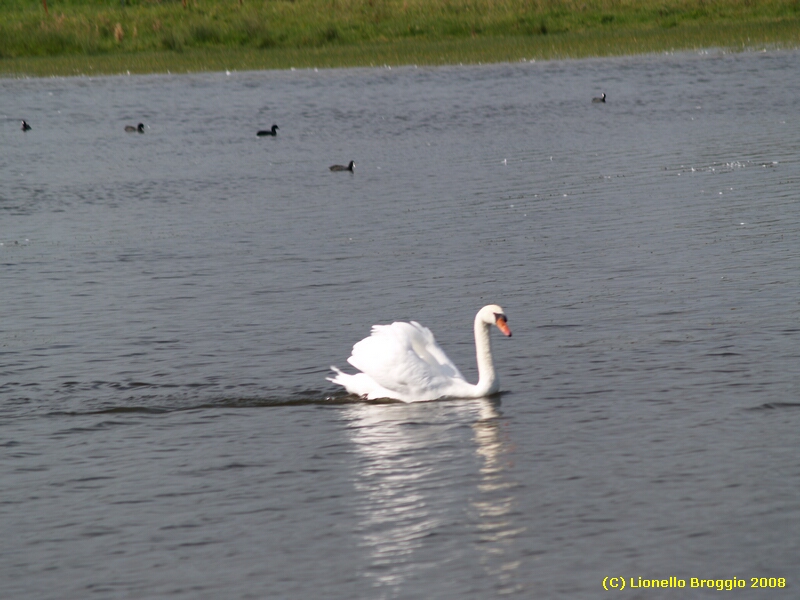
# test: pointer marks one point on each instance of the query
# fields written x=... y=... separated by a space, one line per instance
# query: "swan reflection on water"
x=392 y=478
x=423 y=494
x=496 y=504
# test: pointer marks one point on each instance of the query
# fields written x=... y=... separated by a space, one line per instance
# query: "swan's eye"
x=500 y=317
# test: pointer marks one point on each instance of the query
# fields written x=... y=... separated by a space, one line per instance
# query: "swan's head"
x=493 y=314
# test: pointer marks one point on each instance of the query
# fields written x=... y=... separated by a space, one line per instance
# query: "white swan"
x=403 y=361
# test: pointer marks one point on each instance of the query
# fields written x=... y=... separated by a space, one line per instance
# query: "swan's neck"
x=488 y=382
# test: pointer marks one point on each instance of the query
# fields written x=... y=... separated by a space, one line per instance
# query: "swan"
x=343 y=168
x=132 y=129
x=402 y=361
x=273 y=132
x=600 y=98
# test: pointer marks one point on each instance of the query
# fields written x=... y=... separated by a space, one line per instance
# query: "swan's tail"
x=339 y=378
x=359 y=384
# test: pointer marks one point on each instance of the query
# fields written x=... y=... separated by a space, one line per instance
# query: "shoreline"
x=91 y=72
x=489 y=49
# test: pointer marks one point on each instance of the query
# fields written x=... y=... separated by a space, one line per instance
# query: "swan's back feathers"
x=404 y=358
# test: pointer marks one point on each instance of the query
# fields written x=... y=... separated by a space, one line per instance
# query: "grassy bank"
x=116 y=36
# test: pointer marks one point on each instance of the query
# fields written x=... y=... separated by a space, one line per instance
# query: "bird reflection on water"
x=422 y=494
x=496 y=504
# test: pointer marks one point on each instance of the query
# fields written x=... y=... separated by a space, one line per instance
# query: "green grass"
x=102 y=36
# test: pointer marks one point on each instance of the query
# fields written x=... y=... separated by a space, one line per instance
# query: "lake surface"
x=170 y=304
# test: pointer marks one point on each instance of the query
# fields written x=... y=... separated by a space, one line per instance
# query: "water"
x=171 y=303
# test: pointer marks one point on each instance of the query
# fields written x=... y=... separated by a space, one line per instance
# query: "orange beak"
x=502 y=325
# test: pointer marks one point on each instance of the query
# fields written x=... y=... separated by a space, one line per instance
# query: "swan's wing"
x=428 y=350
x=404 y=358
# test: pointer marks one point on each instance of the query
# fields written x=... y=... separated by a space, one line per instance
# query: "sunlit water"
x=171 y=303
